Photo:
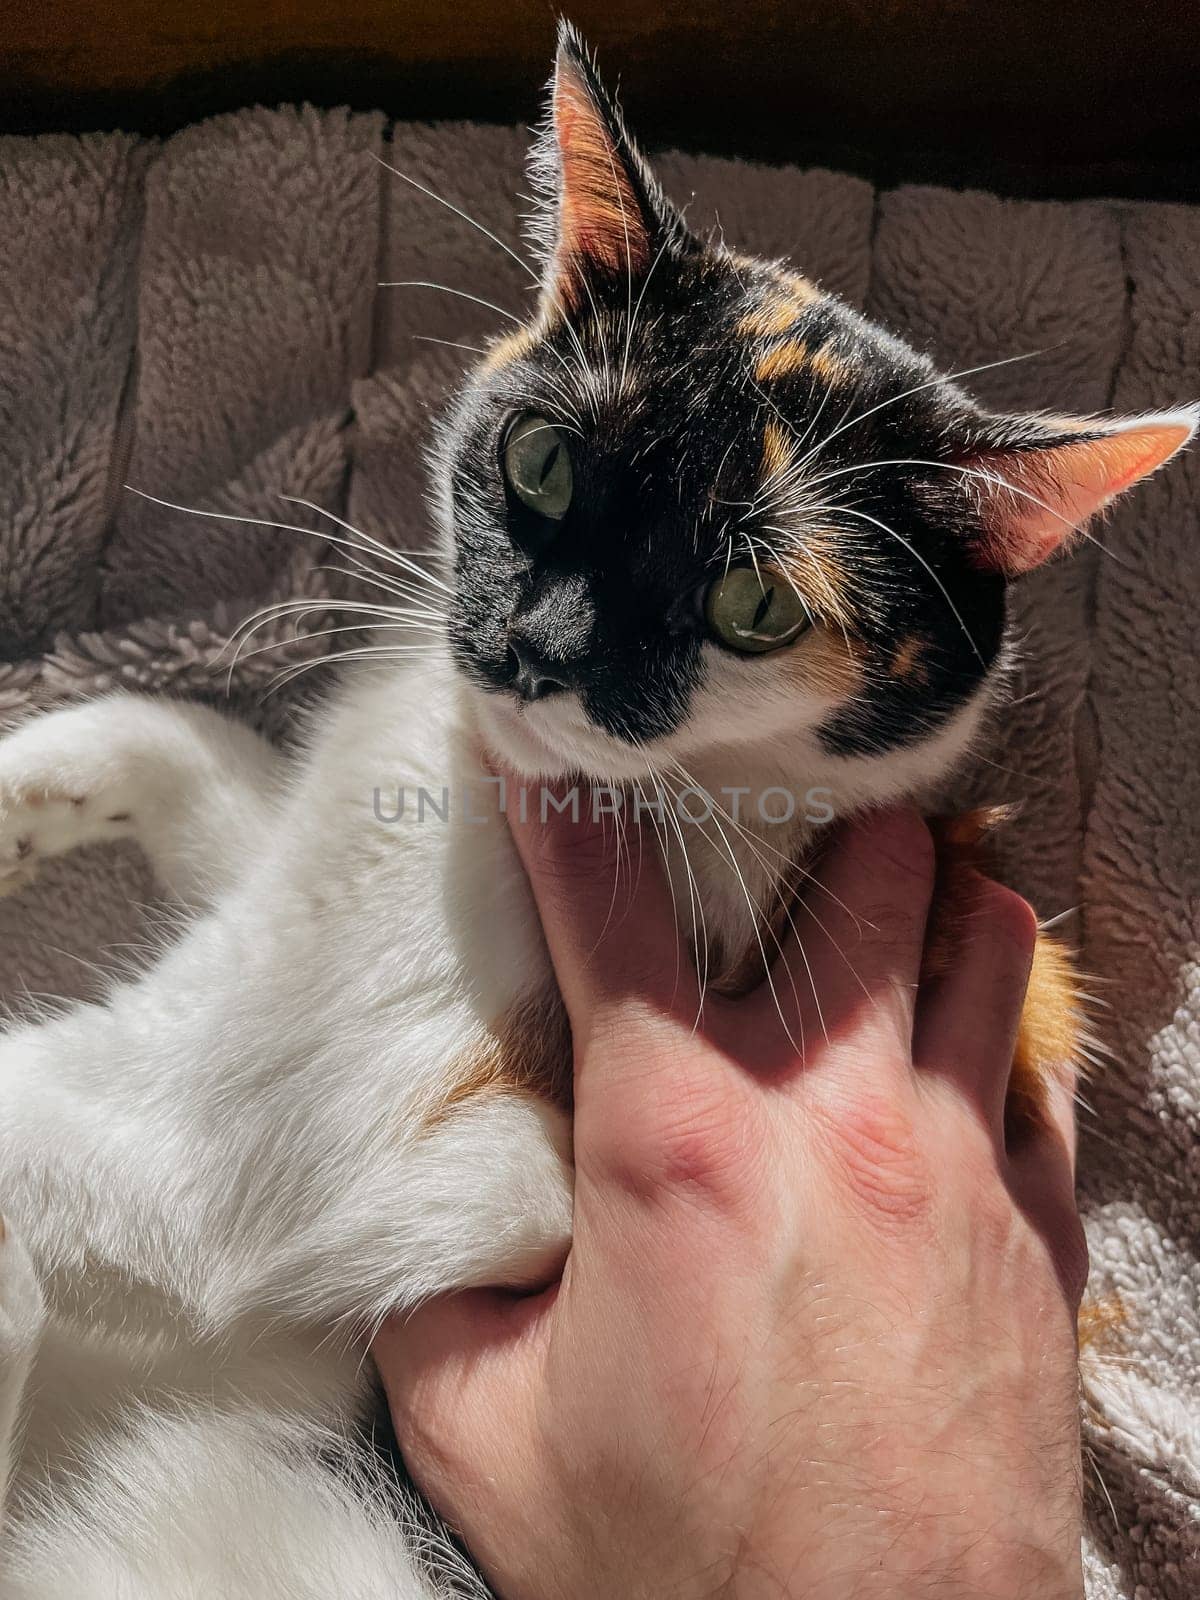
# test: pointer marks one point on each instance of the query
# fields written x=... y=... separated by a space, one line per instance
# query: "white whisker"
x=461 y=294
x=930 y=383
x=322 y=633
x=395 y=557
x=451 y=344
x=846 y=511
x=321 y=536
x=458 y=212
x=395 y=652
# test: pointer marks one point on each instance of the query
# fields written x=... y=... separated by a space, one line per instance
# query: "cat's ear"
x=1037 y=483
x=600 y=214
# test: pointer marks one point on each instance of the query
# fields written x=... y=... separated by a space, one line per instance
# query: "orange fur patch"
x=781 y=360
x=1049 y=1036
x=777 y=452
x=827 y=364
x=795 y=287
x=512 y=347
x=780 y=310
x=812 y=564
x=906 y=662
x=769 y=321
x=809 y=559
x=1101 y=1325
x=527 y=1051
x=829 y=662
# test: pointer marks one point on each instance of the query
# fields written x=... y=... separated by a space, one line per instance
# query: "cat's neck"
x=736 y=839
x=740 y=824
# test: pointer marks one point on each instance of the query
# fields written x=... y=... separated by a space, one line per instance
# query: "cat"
x=708 y=532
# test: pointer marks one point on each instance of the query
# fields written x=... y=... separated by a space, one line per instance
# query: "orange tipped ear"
x=602 y=214
x=1034 y=496
x=600 y=220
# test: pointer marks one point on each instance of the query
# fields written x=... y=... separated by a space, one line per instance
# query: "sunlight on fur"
x=701 y=530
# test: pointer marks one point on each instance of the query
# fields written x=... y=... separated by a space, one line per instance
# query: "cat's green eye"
x=754 y=610
x=537 y=465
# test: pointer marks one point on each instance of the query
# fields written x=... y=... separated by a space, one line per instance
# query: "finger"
x=1041 y=1142
x=604 y=902
x=453 y=1360
x=853 y=954
x=1041 y=1177
x=1060 y=1086
x=969 y=1013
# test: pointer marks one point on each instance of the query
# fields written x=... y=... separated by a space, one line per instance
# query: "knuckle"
x=693 y=1137
x=879 y=1162
x=707 y=1161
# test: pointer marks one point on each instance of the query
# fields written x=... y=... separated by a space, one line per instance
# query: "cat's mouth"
x=553 y=738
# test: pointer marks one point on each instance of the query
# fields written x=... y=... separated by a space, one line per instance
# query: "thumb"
x=459 y=1374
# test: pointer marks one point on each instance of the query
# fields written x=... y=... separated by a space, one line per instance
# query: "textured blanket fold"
x=201 y=320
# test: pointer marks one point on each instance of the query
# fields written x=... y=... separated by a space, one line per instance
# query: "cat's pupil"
x=537 y=466
x=752 y=611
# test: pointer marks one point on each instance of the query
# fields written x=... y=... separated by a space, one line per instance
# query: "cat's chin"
x=551 y=740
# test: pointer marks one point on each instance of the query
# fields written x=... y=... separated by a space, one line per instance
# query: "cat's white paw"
x=22 y=1308
x=36 y=822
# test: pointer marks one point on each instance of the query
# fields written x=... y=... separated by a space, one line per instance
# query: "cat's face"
x=697 y=504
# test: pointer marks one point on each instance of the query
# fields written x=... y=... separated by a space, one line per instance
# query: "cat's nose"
x=531 y=675
x=549 y=636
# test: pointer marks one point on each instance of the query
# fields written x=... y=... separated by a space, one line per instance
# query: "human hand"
x=816 y=1334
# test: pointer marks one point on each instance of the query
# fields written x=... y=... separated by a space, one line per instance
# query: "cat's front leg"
x=193 y=789
x=139 y=1145
x=480 y=1200
x=22 y=1318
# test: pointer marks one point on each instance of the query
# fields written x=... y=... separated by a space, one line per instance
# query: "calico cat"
x=707 y=530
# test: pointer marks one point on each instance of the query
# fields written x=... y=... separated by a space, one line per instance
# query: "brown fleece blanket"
x=201 y=320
